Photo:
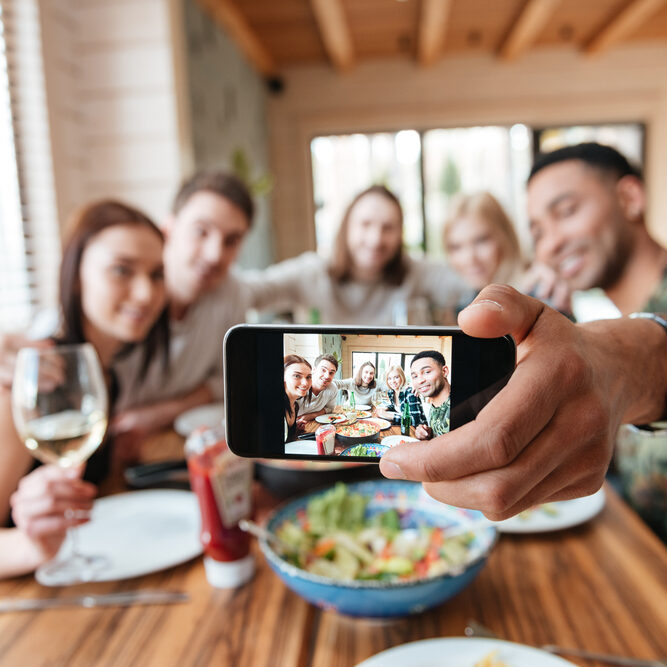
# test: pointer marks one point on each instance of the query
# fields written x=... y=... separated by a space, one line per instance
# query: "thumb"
x=499 y=310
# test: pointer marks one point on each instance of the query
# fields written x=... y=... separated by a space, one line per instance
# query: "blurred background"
x=309 y=101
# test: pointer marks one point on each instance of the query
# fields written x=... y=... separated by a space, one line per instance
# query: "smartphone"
x=350 y=393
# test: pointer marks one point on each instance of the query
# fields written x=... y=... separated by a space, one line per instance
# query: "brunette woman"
x=369 y=277
x=112 y=296
x=298 y=378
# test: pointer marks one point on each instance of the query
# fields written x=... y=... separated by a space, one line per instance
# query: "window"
x=29 y=234
x=382 y=361
x=628 y=138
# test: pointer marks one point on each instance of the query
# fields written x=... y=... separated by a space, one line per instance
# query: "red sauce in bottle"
x=222 y=482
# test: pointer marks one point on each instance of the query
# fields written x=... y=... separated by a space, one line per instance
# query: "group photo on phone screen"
x=358 y=395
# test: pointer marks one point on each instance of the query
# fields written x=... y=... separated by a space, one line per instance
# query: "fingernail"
x=488 y=303
x=392 y=470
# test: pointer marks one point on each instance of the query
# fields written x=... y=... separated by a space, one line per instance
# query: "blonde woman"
x=480 y=242
x=400 y=392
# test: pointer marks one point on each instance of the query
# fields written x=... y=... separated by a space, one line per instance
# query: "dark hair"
x=604 y=158
x=430 y=354
x=357 y=378
x=220 y=183
x=87 y=223
x=290 y=360
x=341 y=261
x=327 y=357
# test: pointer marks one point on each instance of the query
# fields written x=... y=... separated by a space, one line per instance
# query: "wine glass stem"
x=73 y=539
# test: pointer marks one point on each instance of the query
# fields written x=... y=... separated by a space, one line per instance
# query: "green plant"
x=242 y=168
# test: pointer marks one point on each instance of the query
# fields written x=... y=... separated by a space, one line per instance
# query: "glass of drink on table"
x=60 y=410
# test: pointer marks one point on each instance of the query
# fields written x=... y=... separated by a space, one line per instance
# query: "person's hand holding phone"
x=548 y=435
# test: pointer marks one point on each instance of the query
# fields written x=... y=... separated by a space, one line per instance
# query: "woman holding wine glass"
x=111 y=297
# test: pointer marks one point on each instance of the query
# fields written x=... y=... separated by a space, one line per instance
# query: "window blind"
x=29 y=237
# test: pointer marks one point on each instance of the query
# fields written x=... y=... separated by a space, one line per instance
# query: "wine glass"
x=60 y=409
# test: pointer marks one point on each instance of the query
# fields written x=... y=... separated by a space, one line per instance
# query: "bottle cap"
x=229 y=574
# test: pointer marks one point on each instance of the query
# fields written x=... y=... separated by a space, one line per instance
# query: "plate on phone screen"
x=139 y=533
x=554 y=516
x=332 y=418
x=382 y=423
x=393 y=440
x=463 y=652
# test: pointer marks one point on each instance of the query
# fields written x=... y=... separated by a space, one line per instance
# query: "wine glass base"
x=76 y=569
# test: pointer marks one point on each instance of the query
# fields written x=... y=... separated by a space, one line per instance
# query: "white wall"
x=547 y=86
x=118 y=116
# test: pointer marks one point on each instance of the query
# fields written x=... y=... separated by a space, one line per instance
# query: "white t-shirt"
x=304 y=282
x=325 y=400
x=195 y=351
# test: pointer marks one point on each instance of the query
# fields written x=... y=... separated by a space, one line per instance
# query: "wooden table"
x=600 y=586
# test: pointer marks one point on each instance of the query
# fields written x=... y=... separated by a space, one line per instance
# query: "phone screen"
x=329 y=393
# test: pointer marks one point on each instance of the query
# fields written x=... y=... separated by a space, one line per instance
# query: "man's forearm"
x=638 y=349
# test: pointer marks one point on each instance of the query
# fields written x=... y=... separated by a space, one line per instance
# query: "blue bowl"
x=382 y=599
x=374 y=449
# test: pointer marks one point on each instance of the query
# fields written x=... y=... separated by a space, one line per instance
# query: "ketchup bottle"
x=223 y=484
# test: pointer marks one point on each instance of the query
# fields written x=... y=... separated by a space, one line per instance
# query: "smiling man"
x=322 y=398
x=211 y=215
x=586 y=206
x=428 y=371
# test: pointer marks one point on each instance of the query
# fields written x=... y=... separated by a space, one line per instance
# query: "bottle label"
x=231 y=481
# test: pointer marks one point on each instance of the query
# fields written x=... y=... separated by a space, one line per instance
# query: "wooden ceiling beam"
x=526 y=29
x=432 y=30
x=227 y=15
x=335 y=32
x=627 y=21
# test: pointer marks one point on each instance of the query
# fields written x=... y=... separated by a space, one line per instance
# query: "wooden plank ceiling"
x=275 y=34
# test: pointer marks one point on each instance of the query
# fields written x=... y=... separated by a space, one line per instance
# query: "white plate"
x=382 y=423
x=326 y=419
x=139 y=533
x=462 y=652
x=392 y=440
x=306 y=447
x=568 y=513
x=203 y=415
x=363 y=406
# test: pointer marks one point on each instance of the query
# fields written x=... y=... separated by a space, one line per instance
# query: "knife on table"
x=121 y=599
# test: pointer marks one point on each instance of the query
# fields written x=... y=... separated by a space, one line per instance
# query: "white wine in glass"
x=60 y=409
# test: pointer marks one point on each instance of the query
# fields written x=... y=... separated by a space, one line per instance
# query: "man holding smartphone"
x=428 y=371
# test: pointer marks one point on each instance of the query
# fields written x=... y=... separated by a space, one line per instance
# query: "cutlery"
x=263 y=534
x=475 y=629
x=121 y=599
x=172 y=472
x=470 y=527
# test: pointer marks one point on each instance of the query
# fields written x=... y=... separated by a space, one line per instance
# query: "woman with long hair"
x=111 y=295
x=368 y=278
x=363 y=384
x=298 y=378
